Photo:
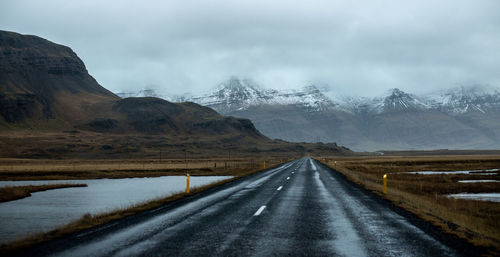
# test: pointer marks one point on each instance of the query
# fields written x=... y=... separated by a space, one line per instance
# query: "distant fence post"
x=187 y=183
x=385 y=183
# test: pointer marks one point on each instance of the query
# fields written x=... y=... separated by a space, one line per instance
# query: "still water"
x=47 y=210
x=492 y=197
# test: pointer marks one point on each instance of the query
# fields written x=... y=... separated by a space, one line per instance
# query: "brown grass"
x=10 y=193
x=89 y=221
x=425 y=195
x=16 y=169
x=80 y=144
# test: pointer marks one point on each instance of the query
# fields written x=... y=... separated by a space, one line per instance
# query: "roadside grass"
x=10 y=193
x=425 y=195
x=89 y=221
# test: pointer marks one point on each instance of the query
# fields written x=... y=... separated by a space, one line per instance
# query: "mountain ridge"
x=39 y=74
x=43 y=81
x=51 y=107
x=454 y=100
x=455 y=118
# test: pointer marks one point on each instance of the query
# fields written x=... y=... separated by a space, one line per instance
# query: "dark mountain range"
x=462 y=118
x=51 y=107
x=46 y=83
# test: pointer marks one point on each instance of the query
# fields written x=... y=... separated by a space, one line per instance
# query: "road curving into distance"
x=299 y=208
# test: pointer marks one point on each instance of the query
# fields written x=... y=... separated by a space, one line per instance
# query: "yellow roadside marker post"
x=264 y=164
x=187 y=183
x=385 y=183
x=335 y=164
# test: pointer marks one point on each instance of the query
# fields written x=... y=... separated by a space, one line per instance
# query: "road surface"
x=301 y=208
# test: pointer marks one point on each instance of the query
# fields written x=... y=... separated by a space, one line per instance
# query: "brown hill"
x=52 y=108
x=155 y=116
x=44 y=84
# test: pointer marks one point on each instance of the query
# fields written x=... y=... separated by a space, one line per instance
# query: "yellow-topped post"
x=187 y=183
x=385 y=183
x=264 y=164
x=335 y=164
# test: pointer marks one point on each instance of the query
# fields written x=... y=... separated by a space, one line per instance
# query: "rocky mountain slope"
x=43 y=82
x=51 y=107
x=240 y=94
x=452 y=119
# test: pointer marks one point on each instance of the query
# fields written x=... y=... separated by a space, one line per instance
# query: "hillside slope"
x=44 y=84
x=51 y=107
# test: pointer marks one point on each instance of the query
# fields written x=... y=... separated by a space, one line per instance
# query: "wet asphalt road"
x=298 y=209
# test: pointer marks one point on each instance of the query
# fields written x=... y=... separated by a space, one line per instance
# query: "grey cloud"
x=355 y=48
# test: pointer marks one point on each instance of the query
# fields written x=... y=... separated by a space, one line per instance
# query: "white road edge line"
x=259 y=211
x=279 y=188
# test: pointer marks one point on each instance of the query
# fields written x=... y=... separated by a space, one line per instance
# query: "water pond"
x=48 y=209
x=479 y=181
x=492 y=197
x=468 y=172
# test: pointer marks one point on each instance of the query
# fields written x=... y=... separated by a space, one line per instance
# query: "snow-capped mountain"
x=240 y=94
x=459 y=118
x=395 y=100
x=454 y=119
x=466 y=99
x=401 y=101
x=451 y=101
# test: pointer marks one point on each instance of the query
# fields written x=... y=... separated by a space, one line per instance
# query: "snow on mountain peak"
x=233 y=94
x=240 y=94
x=466 y=99
x=399 y=100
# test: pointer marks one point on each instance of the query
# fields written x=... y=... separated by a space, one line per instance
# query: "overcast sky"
x=360 y=48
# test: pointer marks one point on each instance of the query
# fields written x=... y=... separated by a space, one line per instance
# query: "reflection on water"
x=492 y=197
x=469 y=172
x=46 y=210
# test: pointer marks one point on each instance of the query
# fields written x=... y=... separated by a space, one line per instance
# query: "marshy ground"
x=75 y=170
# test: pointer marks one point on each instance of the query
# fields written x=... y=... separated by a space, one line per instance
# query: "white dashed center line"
x=288 y=178
x=279 y=188
x=259 y=211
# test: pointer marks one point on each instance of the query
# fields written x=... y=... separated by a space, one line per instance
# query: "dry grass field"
x=84 y=145
x=425 y=195
x=26 y=169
